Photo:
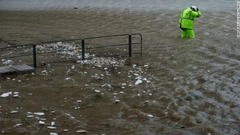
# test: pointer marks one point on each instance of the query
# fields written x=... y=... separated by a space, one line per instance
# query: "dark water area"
x=206 y=5
x=178 y=86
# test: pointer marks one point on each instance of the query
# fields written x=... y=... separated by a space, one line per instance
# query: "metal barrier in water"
x=78 y=48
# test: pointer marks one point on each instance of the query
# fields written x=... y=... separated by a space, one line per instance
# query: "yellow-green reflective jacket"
x=187 y=18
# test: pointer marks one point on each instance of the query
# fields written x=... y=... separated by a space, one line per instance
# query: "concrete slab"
x=4 y=70
x=16 y=69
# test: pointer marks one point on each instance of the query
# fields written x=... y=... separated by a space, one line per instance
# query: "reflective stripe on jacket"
x=187 y=18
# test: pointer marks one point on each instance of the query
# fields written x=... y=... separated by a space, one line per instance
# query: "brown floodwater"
x=178 y=86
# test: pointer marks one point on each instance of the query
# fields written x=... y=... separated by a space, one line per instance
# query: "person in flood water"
x=186 y=21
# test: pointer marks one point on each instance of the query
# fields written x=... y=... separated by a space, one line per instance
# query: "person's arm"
x=196 y=14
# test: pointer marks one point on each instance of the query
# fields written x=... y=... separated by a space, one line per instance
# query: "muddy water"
x=177 y=87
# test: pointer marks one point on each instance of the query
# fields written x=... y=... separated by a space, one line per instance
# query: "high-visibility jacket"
x=187 y=18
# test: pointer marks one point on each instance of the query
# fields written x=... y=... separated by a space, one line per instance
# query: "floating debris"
x=79 y=101
x=117 y=101
x=7 y=62
x=65 y=130
x=52 y=133
x=51 y=127
x=17 y=125
x=103 y=62
x=81 y=131
x=44 y=72
x=138 y=82
x=52 y=123
x=41 y=122
x=150 y=115
x=15 y=94
x=7 y=94
x=13 y=112
x=39 y=113
x=69 y=78
x=121 y=92
x=97 y=91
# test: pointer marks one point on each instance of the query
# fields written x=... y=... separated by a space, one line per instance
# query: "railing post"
x=83 y=49
x=34 y=56
x=130 y=45
x=141 y=42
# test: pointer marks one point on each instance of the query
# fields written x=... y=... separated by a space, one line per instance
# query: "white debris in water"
x=138 y=82
x=15 y=111
x=39 y=113
x=79 y=101
x=69 y=78
x=44 y=72
x=41 y=122
x=107 y=85
x=43 y=119
x=7 y=94
x=102 y=61
x=53 y=123
x=65 y=130
x=51 y=127
x=30 y=116
x=81 y=131
x=121 y=92
x=97 y=91
x=77 y=108
x=7 y=62
x=117 y=101
x=15 y=94
x=150 y=115
x=17 y=125
x=52 y=133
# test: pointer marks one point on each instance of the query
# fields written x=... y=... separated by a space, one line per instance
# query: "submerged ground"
x=177 y=87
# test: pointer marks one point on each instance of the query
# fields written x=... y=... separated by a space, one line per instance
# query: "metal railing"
x=129 y=44
x=83 y=46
